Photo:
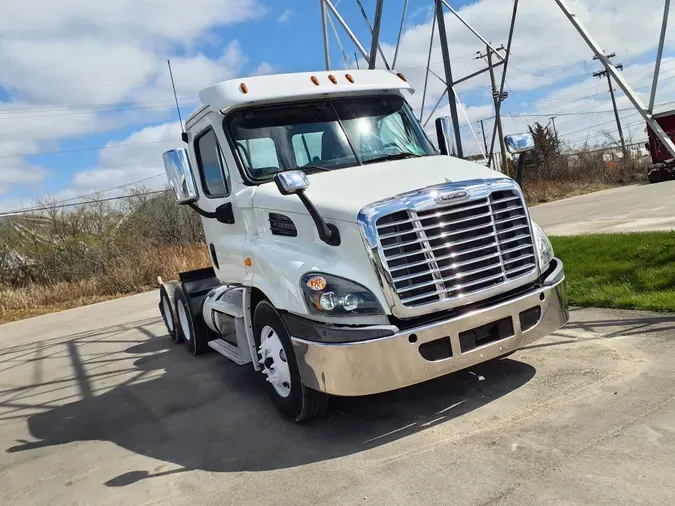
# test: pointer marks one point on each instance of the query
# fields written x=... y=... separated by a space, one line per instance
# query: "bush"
x=95 y=250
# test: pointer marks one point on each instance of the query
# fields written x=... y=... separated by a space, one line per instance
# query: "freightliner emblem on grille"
x=444 y=197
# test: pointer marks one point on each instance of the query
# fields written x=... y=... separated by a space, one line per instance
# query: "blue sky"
x=79 y=76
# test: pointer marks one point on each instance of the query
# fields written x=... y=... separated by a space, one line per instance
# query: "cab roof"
x=282 y=87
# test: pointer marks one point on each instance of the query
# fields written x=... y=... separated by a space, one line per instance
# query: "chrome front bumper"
x=394 y=362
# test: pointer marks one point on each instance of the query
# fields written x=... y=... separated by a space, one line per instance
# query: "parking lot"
x=98 y=406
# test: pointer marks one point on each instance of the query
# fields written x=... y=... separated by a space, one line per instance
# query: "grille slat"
x=449 y=278
x=411 y=231
x=436 y=214
x=452 y=251
x=458 y=288
x=455 y=265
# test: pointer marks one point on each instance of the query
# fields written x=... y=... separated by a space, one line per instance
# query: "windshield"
x=326 y=135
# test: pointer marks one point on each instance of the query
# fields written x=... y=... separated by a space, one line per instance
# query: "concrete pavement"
x=98 y=406
x=625 y=209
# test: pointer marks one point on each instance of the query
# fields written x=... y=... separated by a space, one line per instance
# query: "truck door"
x=223 y=224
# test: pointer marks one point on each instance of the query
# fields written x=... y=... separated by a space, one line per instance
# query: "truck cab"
x=350 y=257
x=662 y=167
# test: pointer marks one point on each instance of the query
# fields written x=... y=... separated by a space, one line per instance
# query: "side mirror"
x=179 y=173
x=446 y=140
x=291 y=182
x=519 y=143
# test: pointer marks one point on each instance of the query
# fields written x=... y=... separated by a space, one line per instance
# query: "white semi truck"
x=349 y=256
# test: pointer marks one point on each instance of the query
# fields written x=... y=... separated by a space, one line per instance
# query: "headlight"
x=333 y=296
x=544 y=248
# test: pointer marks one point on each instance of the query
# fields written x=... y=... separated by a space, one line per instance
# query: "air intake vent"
x=282 y=225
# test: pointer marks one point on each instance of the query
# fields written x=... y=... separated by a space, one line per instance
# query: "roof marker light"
x=349 y=78
x=402 y=77
x=332 y=79
x=243 y=88
x=315 y=80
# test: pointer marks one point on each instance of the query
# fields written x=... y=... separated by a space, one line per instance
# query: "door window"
x=212 y=168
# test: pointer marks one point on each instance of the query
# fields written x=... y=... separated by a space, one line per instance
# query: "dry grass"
x=539 y=192
x=127 y=276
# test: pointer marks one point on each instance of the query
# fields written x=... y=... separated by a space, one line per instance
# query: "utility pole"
x=555 y=132
x=604 y=73
x=482 y=129
x=452 y=99
x=497 y=102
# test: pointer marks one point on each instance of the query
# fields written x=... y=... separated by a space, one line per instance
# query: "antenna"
x=183 y=134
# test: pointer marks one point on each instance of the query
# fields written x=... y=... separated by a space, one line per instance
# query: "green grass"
x=628 y=271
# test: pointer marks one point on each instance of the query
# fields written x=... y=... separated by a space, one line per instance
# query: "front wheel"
x=280 y=367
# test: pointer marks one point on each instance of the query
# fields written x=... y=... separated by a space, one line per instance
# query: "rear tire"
x=290 y=395
x=193 y=335
x=167 y=308
x=657 y=176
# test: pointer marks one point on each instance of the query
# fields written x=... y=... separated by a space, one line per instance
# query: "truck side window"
x=212 y=169
x=307 y=147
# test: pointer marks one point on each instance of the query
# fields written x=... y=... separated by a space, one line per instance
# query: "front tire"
x=196 y=342
x=286 y=389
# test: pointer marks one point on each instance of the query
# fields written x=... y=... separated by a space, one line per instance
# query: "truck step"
x=231 y=309
x=229 y=350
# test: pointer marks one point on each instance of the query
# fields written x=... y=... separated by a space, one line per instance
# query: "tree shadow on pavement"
x=210 y=414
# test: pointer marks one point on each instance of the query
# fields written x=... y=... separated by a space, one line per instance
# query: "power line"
x=9 y=110
x=74 y=113
x=61 y=206
x=100 y=192
x=100 y=148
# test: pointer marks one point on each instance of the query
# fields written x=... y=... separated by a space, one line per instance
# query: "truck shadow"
x=210 y=414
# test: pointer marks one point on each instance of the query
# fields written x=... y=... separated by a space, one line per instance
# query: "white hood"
x=341 y=194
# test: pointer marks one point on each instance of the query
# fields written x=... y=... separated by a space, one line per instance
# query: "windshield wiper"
x=310 y=168
x=395 y=156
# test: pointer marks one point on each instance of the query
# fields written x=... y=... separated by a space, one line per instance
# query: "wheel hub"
x=273 y=361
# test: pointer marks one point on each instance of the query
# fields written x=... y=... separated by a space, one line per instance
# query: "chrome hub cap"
x=273 y=361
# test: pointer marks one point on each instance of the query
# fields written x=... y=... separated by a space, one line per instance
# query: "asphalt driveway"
x=98 y=406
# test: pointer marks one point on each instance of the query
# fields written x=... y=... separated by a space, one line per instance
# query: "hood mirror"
x=519 y=143
x=179 y=174
x=295 y=182
x=291 y=182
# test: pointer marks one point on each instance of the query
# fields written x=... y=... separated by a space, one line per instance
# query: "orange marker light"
x=332 y=79
x=243 y=88
x=402 y=77
x=248 y=262
x=349 y=78
x=315 y=80
x=317 y=283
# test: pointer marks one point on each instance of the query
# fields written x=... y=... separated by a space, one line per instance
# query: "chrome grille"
x=452 y=251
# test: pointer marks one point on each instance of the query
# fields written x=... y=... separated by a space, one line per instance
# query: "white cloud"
x=19 y=174
x=139 y=156
x=173 y=20
x=285 y=16
x=76 y=52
